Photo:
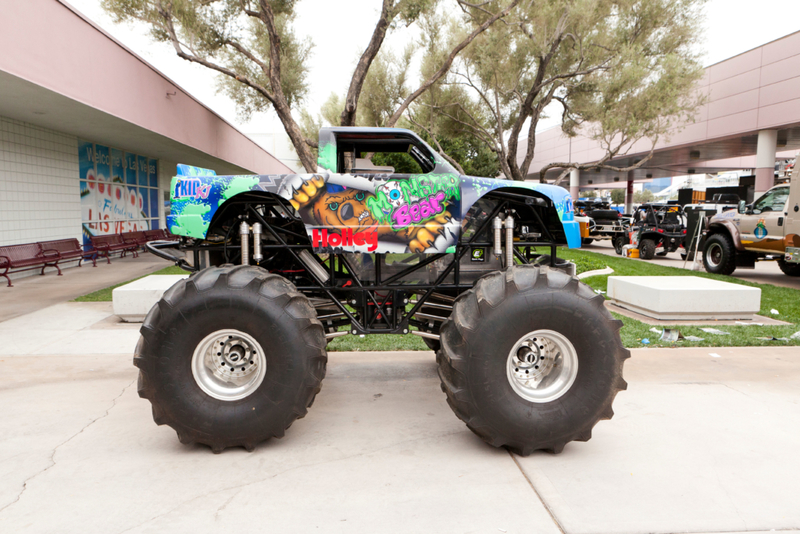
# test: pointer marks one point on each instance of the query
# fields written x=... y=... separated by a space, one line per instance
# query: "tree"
x=645 y=195
x=618 y=196
x=262 y=63
x=618 y=70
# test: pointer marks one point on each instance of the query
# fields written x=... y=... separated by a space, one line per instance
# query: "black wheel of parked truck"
x=719 y=254
x=231 y=357
x=789 y=269
x=531 y=359
x=619 y=242
x=647 y=249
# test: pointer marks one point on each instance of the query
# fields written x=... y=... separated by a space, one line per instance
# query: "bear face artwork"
x=347 y=210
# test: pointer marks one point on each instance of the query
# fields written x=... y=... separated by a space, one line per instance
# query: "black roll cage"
x=383 y=292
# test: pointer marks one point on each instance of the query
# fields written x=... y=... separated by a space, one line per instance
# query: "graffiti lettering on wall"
x=119 y=191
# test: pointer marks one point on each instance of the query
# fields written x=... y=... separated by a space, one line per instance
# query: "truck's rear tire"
x=647 y=249
x=719 y=254
x=619 y=242
x=270 y=357
x=544 y=322
x=587 y=241
x=789 y=269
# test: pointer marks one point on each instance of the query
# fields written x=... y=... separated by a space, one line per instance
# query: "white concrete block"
x=684 y=297
x=133 y=301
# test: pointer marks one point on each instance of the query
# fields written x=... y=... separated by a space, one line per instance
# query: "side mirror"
x=742 y=206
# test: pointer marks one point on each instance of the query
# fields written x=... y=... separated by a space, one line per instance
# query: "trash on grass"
x=749 y=323
x=599 y=291
x=693 y=338
x=773 y=338
x=715 y=332
x=773 y=311
x=656 y=330
x=671 y=335
x=796 y=335
x=645 y=341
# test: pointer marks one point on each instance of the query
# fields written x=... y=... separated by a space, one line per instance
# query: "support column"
x=629 y=194
x=765 y=160
x=575 y=183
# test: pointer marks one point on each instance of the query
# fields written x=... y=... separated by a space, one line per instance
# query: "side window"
x=775 y=200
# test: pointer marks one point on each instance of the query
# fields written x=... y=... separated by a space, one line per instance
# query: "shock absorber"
x=257 y=254
x=498 y=229
x=509 y=241
x=244 y=238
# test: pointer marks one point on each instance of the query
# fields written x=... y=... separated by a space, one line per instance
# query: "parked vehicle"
x=660 y=229
x=600 y=222
x=765 y=230
x=236 y=353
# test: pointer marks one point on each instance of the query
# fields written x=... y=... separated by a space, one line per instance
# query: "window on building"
x=119 y=191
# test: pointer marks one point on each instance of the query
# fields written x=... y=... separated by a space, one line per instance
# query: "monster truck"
x=767 y=229
x=529 y=358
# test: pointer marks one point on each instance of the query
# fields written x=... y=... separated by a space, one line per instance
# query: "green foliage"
x=618 y=196
x=403 y=163
x=645 y=195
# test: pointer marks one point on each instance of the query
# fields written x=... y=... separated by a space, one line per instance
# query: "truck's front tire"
x=719 y=254
x=231 y=357
x=544 y=322
x=789 y=269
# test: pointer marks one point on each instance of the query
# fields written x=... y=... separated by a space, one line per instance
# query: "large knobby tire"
x=789 y=269
x=647 y=249
x=719 y=254
x=254 y=319
x=479 y=358
x=587 y=241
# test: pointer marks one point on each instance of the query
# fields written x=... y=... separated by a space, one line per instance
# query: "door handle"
x=780 y=221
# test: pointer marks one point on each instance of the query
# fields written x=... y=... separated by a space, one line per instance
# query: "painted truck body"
x=363 y=210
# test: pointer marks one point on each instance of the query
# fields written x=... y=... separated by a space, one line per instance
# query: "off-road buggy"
x=529 y=357
x=602 y=223
x=659 y=228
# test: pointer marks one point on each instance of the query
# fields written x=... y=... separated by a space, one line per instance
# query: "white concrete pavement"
x=765 y=272
x=698 y=444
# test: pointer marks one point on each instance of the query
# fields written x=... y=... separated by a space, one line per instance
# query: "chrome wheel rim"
x=542 y=366
x=229 y=365
x=714 y=254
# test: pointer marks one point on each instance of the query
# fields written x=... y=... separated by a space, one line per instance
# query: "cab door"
x=763 y=228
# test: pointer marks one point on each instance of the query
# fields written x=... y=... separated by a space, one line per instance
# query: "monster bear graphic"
x=335 y=207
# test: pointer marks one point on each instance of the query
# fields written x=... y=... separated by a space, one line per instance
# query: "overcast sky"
x=341 y=29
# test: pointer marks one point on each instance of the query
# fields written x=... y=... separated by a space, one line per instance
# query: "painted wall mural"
x=119 y=191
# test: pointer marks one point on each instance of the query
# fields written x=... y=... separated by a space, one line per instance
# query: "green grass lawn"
x=785 y=300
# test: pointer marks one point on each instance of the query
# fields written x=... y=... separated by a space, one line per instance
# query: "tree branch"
x=448 y=62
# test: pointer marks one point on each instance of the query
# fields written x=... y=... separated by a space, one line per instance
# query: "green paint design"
x=416 y=186
x=238 y=184
x=190 y=221
x=327 y=157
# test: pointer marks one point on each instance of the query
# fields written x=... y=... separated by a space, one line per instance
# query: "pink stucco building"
x=752 y=117
x=90 y=133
